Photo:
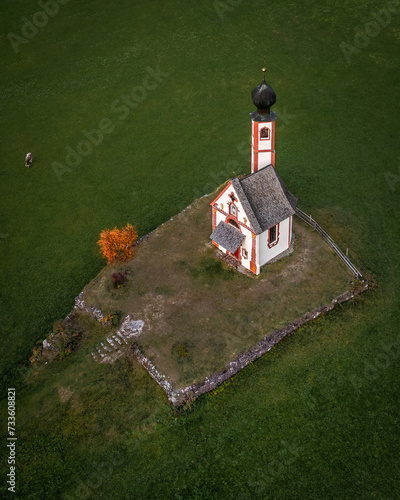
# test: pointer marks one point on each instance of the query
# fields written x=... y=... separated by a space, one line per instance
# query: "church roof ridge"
x=265 y=198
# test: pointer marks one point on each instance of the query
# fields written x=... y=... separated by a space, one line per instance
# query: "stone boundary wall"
x=190 y=393
x=92 y=311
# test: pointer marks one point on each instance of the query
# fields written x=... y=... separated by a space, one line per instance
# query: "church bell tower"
x=263 y=127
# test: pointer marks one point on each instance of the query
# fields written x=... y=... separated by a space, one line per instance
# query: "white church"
x=252 y=216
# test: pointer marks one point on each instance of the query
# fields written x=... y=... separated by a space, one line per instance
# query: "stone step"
x=230 y=260
x=115 y=344
x=106 y=348
x=117 y=339
x=112 y=343
x=122 y=337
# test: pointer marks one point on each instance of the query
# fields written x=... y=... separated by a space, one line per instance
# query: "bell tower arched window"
x=264 y=133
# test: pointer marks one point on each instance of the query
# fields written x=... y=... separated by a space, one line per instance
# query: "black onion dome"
x=263 y=97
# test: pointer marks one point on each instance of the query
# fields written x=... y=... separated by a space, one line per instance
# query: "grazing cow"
x=28 y=160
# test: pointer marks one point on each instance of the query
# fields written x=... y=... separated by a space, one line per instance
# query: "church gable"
x=259 y=201
x=231 y=204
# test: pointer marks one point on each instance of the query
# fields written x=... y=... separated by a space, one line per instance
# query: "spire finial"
x=263 y=96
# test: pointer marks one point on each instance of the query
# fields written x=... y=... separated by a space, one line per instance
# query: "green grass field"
x=318 y=416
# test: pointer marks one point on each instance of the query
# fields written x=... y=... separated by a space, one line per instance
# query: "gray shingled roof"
x=227 y=236
x=265 y=198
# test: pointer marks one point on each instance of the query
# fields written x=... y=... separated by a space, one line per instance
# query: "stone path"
x=115 y=344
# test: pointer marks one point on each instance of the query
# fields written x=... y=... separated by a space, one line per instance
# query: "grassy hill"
x=319 y=417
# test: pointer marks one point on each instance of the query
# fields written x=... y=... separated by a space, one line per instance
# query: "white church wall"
x=247 y=246
x=265 y=253
x=262 y=148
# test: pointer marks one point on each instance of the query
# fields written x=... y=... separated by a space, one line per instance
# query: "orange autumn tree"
x=117 y=244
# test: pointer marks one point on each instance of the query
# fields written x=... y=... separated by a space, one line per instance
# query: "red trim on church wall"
x=253 y=266
x=214 y=218
x=255 y=147
x=273 y=144
x=231 y=216
x=238 y=253
x=264 y=151
x=222 y=192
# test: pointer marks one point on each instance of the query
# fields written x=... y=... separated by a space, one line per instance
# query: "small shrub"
x=119 y=279
x=63 y=340
x=117 y=244
x=181 y=350
x=116 y=319
x=111 y=319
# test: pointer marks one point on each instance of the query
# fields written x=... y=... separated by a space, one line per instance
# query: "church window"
x=233 y=209
x=273 y=236
x=264 y=133
x=244 y=253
